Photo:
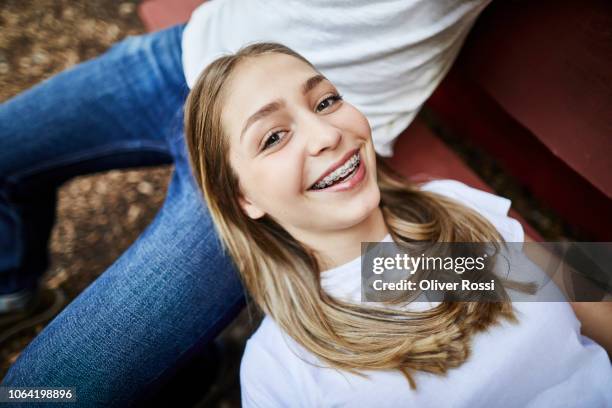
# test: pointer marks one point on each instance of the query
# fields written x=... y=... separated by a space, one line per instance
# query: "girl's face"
x=302 y=155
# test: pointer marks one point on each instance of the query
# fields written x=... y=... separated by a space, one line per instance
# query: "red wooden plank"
x=548 y=63
x=471 y=113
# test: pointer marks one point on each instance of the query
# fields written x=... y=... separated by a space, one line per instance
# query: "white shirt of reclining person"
x=386 y=57
x=543 y=361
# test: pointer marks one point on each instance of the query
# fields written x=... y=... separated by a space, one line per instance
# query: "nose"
x=321 y=135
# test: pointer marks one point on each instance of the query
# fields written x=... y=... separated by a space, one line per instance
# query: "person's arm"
x=595 y=317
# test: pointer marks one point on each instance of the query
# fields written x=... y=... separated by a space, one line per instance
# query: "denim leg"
x=160 y=303
x=113 y=111
x=173 y=290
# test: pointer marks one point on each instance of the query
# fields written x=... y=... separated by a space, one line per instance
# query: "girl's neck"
x=339 y=247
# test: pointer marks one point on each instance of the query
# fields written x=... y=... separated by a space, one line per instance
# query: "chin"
x=361 y=209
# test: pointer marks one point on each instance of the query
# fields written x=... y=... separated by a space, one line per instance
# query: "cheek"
x=274 y=181
x=361 y=122
x=355 y=121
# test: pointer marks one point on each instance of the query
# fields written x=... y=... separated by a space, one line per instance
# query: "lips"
x=338 y=164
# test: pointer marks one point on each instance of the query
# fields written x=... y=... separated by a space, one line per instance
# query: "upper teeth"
x=340 y=172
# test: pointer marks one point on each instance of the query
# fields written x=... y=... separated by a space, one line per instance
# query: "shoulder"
x=493 y=207
x=267 y=368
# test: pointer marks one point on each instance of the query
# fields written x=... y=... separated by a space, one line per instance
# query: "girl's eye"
x=272 y=140
x=329 y=101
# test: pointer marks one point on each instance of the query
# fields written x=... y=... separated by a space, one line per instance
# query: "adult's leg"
x=113 y=111
x=161 y=302
x=172 y=291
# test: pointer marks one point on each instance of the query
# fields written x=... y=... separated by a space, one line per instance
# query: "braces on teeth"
x=339 y=173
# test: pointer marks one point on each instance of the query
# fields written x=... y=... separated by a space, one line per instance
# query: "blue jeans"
x=173 y=290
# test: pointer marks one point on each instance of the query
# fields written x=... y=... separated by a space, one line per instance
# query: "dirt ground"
x=99 y=216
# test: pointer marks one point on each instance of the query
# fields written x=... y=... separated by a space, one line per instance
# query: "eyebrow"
x=272 y=107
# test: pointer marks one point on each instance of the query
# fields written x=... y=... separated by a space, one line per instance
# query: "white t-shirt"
x=386 y=58
x=543 y=361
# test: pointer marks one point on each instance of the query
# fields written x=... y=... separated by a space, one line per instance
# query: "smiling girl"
x=291 y=178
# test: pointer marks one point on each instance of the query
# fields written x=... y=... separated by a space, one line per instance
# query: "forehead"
x=259 y=80
x=268 y=71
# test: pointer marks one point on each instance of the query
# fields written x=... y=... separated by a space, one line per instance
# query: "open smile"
x=343 y=177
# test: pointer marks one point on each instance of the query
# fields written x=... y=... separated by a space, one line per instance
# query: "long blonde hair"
x=282 y=275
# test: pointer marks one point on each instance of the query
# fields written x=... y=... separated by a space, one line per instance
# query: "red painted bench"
x=419 y=153
x=533 y=87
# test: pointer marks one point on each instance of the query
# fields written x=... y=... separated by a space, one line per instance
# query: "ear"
x=250 y=209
